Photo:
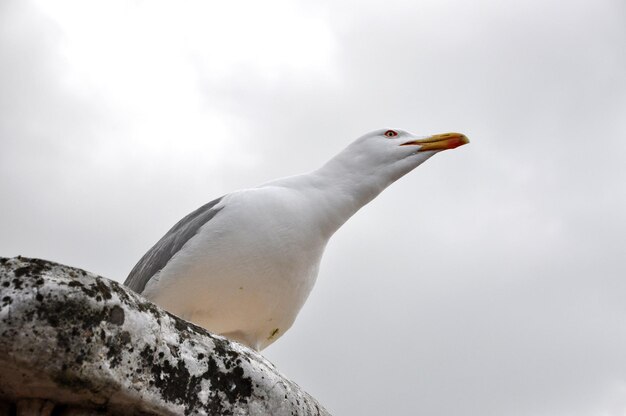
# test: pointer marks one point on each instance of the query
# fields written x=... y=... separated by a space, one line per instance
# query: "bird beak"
x=443 y=141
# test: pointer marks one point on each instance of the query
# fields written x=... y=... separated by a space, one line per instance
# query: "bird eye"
x=391 y=133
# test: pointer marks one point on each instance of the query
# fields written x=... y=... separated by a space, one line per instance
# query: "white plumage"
x=243 y=265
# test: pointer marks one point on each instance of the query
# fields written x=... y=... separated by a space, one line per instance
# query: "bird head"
x=397 y=151
x=388 y=145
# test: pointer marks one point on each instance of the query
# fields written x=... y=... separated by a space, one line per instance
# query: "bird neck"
x=347 y=182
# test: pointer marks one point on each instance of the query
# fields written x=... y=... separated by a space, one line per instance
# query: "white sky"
x=490 y=281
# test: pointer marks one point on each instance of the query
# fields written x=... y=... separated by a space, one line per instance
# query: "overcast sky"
x=489 y=281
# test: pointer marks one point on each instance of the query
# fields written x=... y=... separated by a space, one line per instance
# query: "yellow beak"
x=443 y=141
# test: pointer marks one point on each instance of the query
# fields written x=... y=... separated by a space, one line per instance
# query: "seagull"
x=243 y=265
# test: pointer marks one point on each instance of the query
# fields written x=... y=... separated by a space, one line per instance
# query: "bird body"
x=243 y=265
x=251 y=291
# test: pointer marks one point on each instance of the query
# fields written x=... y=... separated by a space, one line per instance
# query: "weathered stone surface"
x=82 y=344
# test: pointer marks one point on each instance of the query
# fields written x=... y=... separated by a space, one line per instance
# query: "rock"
x=73 y=343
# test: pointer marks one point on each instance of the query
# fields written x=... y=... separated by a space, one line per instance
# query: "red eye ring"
x=391 y=133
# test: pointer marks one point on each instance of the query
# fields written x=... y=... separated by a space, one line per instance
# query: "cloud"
x=488 y=281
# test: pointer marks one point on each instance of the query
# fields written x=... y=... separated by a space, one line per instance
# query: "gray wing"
x=160 y=254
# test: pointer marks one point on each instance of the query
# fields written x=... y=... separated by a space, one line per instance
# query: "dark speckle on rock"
x=116 y=315
x=22 y=271
x=125 y=339
x=34 y=268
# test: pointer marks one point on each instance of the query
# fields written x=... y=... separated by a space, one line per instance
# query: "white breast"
x=249 y=270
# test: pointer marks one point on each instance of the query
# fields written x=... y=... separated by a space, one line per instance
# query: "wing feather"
x=160 y=254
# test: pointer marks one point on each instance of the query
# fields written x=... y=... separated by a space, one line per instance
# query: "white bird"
x=243 y=265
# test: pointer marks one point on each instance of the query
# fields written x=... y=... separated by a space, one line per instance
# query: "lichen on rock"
x=77 y=340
